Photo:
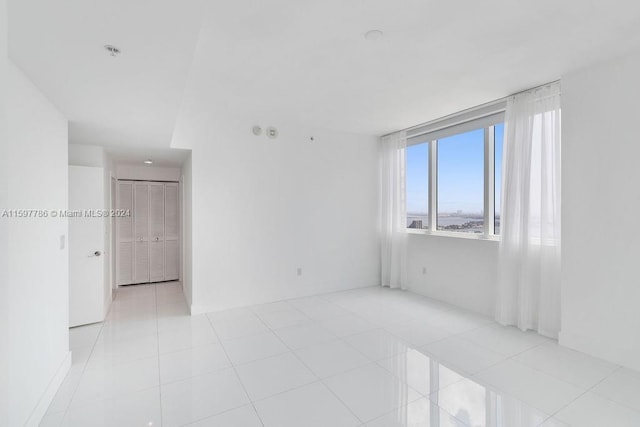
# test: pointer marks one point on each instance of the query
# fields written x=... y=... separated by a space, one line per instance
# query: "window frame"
x=484 y=117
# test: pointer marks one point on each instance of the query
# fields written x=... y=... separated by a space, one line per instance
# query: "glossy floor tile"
x=304 y=334
x=542 y=391
x=310 y=406
x=421 y=413
x=623 y=386
x=592 y=410
x=370 y=357
x=192 y=362
x=474 y=404
x=566 y=364
x=331 y=358
x=420 y=372
x=199 y=397
x=259 y=346
x=371 y=391
x=463 y=355
x=266 y=377
x=245 y=416
x=508 y=341
x=378 y=344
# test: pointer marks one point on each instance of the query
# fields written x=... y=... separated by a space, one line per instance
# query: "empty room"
x=319 y=213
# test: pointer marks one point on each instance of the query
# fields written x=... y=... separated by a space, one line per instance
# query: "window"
x=461 y=182
x=454 y=176
x=417 y=172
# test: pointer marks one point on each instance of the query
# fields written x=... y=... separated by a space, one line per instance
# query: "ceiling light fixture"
x=148 y=162
x=373 y=35
x=113 y=51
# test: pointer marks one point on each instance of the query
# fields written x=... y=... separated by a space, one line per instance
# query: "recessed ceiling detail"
x=374 y=35
x=113 y=51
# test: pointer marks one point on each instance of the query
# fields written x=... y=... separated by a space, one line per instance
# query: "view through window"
x=461 y=182
x=459 y=189
x=417 y=173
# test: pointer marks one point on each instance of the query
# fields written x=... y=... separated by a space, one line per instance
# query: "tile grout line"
x=235 y=371
x=84 y=367
x=589 y=390
x=155 y=294
x=319 y=380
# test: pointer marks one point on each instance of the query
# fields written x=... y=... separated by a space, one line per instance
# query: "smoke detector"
x=272 y=133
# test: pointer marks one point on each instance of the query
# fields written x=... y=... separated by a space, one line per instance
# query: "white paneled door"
x=171 y=232
x=86 y=246
x=148 y=240
x=141 y=227
x=156 y=232
x=124 y=233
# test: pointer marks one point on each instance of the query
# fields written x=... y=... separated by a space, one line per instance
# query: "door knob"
x=157 y=238
x=97 y=253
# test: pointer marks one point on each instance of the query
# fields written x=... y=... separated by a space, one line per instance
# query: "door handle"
x=96 y=253
x=157 y=238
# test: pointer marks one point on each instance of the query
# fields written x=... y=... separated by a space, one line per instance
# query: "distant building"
x=416 y=223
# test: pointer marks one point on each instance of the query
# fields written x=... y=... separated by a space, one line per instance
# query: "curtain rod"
x=467 y=110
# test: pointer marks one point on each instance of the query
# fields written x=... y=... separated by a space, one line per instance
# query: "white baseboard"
x=45 y=400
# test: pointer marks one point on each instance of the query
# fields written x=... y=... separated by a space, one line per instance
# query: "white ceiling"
x=189 y=64
x=137 y=155
x=129 y=100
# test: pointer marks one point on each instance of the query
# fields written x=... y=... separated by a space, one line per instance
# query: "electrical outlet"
x=299 y=271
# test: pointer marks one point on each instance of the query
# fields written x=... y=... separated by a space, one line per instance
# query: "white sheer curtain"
x=393 y=210
x=529 y=266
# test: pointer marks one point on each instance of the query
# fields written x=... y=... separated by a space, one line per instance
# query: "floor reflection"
x=454 y=399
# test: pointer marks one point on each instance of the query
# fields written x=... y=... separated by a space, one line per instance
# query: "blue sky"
x=460 y=173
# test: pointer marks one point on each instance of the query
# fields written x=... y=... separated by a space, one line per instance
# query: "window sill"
x=469 y=236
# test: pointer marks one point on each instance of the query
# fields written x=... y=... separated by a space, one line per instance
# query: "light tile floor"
x=370 y=357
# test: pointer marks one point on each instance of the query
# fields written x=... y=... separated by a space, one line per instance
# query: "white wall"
x=147 y=173
x=38 y=351
x=600 y=207
x=4 y=225
x=263 y=208
x=109 y=258
x=186 y=240
x=458 y=270
x=87 y=155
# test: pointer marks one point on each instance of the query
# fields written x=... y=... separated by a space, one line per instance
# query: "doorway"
x=147 y=232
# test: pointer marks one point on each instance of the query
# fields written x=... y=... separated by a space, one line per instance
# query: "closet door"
x=171 y=232
x=156 y=232
x=124 y=233
x=141 y=227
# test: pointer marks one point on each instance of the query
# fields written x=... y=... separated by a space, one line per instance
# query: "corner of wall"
x=50 y=392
